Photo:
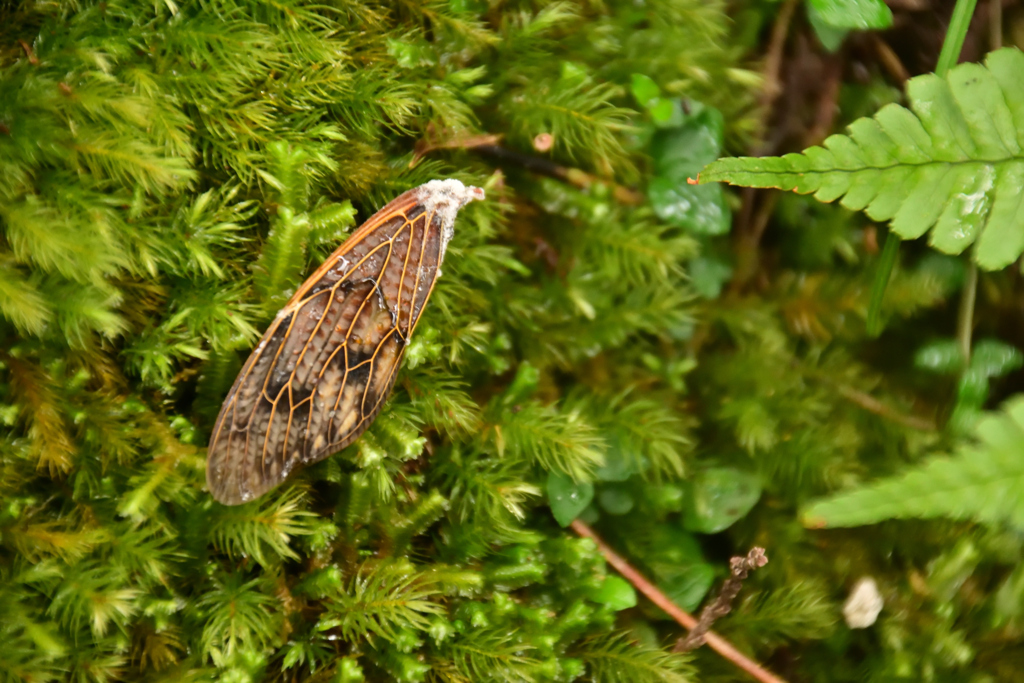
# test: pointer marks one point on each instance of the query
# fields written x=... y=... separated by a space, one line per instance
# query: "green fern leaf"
x=383 y=601
x=615 y=658
x=982 y=481
x=952 y=163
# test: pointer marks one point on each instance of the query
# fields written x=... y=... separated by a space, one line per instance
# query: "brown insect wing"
x=322 y=371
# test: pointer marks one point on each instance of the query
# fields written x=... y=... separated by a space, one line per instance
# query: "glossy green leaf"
x=615 y=592
x=994 y=358
x=679 y=153
x=831 y=37
x=853 y=14
x=952 y=164
x=972 y=389
x=942 y=356
x=618 y=466
x=720 y=496
x=687 y=586
x=567 y=498
x=644 y=89
x=983 y=480
x=668 y=546
x=616 y=500
x=708 y=276
x=664 y=497
x=666 y=112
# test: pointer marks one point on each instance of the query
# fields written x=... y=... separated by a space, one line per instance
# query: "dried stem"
x=722 y=605
x=873 y=405
x=773 y=64
x=714 y=641
x=995 y=24
x=573 y=176
x=489 y=145
x=752 y=219
x=32 y=59
x=432 y=142
x=889 y=60
x=828 y=103
x=868 y=402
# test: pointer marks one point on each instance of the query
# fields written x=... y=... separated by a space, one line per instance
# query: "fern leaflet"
x=983 y=481
x=952 y=163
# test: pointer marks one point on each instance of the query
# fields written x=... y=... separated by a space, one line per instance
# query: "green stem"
x=955 y=35
x=886 y=262
x=965 y=316
x=951 y=46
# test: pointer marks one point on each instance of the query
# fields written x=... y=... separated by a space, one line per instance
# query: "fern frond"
x=34 y=389
x=261 y=526
x=485 y=491
x=237 y=614
x=21 y=300
x=488 y=656
x=953 y=163
x=383 y=601
x=614 y=658
x=645 y=433
x=561 y=440
x=93 y=591
x=983 y=481
x=580 y=117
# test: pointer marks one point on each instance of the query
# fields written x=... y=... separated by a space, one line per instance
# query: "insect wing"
x=324 y=368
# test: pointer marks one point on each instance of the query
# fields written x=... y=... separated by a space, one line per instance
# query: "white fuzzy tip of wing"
x=444 y=198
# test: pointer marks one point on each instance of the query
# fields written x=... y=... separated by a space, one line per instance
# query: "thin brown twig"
x=889 y=60
x=828 y=103
x=747 y=237
x=773 y=64
x=868 y=402
x=740 y=567
x=573 y=176
x=995 y=24
x=432 y=142
x=489 y=145
x=32 y=59
x=873 y=405
x=714 y=641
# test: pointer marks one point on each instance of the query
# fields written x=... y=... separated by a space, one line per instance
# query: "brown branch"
x=432 y=142
x=889 y=60
x=773 y=64
x=873 y=405
x=828 y=103
x=488 y=145
x=866 y=401
x=573 y=176
x=722 y=605
x=32 y=59
x=753 y=216
x=995 y=24
x=714 y=641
